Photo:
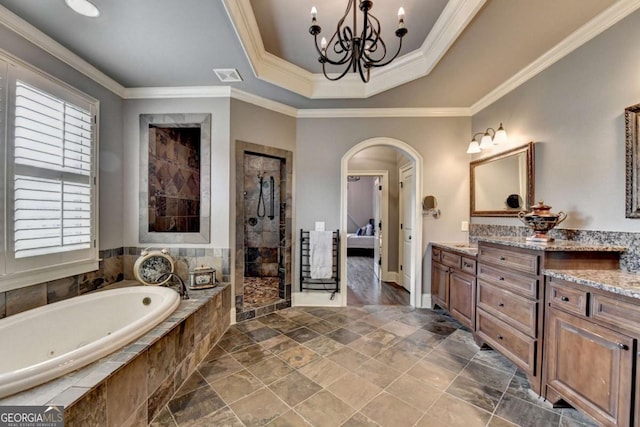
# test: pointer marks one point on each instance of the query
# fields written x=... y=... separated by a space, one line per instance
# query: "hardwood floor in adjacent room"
x=363 y=288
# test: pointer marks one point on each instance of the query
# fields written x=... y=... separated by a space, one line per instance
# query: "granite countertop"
x=614 y=281
x=462 y=247
x=557 y=245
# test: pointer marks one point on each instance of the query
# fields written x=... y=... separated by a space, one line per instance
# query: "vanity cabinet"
x=509 y=306
x=591 y=351
x=453 y=284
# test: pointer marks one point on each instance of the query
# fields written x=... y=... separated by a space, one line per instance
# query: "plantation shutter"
x=53 y=145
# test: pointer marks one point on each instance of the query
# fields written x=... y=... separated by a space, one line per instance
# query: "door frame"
x=402 y=170
x=416 y=269
x=385 y=216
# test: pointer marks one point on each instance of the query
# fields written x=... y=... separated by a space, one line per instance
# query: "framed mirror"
x=503 y=185
x=632 y=145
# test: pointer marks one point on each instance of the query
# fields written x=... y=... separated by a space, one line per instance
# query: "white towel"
x=320 y=254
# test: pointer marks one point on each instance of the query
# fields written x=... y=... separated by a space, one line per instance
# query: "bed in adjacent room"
x=360 y=245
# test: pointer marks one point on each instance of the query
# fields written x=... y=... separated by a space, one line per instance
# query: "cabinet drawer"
x=435 y=253
x=513 y=344
x=468 y=265
x=615 y=312
x=527 y=263
x=568 y=299
x=523 y=285
x=452 y=260
x=517 y=311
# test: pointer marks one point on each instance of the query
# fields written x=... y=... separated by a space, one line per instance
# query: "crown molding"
x=49 y=45
x=454 y=18
x=177 y=92
x=333 y=113
x=269 y=104
x=582 y=35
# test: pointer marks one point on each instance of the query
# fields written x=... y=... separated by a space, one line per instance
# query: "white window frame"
x=21 y=272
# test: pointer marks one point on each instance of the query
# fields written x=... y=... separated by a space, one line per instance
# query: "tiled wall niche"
x=629 y=260
x=115 y=265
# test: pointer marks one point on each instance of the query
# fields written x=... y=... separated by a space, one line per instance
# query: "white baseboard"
x=391 y=276
x=315 y=299
x=426 y=300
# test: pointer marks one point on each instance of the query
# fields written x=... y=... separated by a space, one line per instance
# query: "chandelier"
x=359 y=51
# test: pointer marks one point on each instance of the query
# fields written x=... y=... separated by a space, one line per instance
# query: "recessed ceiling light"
x=83 y=7
x=228 y=75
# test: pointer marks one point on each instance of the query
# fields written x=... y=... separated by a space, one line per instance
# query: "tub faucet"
x=182 y=289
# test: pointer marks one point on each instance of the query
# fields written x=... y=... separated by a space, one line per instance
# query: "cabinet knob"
x=564 y=299
x=501 y=304
x=501 y=279
x=409 y=237
x=622 y=346
x=500 y=337
x=502 y=258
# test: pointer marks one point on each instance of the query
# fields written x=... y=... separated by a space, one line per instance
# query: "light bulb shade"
x=474 y=147
x=83 y=7
x=486 y=141
x=501 y=136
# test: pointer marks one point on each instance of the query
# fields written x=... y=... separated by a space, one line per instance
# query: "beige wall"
x=220 y=163
x=574 y=111
x=321 y=144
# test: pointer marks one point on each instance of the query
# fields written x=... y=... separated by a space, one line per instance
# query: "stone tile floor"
x=357 y=366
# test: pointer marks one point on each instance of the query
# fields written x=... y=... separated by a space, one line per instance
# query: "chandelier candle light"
x=359 y=51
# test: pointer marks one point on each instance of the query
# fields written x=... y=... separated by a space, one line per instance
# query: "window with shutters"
x=50 y=211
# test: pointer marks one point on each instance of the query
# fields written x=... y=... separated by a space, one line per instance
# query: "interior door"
x=377 y=245
x=407 y=203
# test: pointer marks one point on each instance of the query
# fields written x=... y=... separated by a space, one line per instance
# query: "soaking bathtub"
x=39 y=345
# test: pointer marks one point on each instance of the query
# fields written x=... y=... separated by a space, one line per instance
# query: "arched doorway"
x=415 y=271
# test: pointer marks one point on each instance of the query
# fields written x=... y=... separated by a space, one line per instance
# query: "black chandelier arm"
x=344 y=73
x=374 y=63
x=356 y=51
x=324 y=58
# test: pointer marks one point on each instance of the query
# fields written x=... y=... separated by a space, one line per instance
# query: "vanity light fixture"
x=83 y=7
x=489 y=138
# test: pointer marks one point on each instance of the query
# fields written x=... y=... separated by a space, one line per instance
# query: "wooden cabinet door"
x=590 y=366
x=440 y=285
x=461 y=292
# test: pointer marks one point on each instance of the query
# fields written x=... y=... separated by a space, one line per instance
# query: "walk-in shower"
x=263 y=242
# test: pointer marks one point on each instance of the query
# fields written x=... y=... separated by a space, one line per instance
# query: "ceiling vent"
x=228 y=75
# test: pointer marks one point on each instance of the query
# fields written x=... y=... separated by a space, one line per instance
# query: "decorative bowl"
x=541 y=220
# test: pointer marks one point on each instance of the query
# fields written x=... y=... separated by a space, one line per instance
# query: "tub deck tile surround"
x=132 y=386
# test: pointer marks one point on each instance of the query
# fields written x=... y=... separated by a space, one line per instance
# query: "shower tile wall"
x=262 y=223
x=174 y=179
x=264 y=246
